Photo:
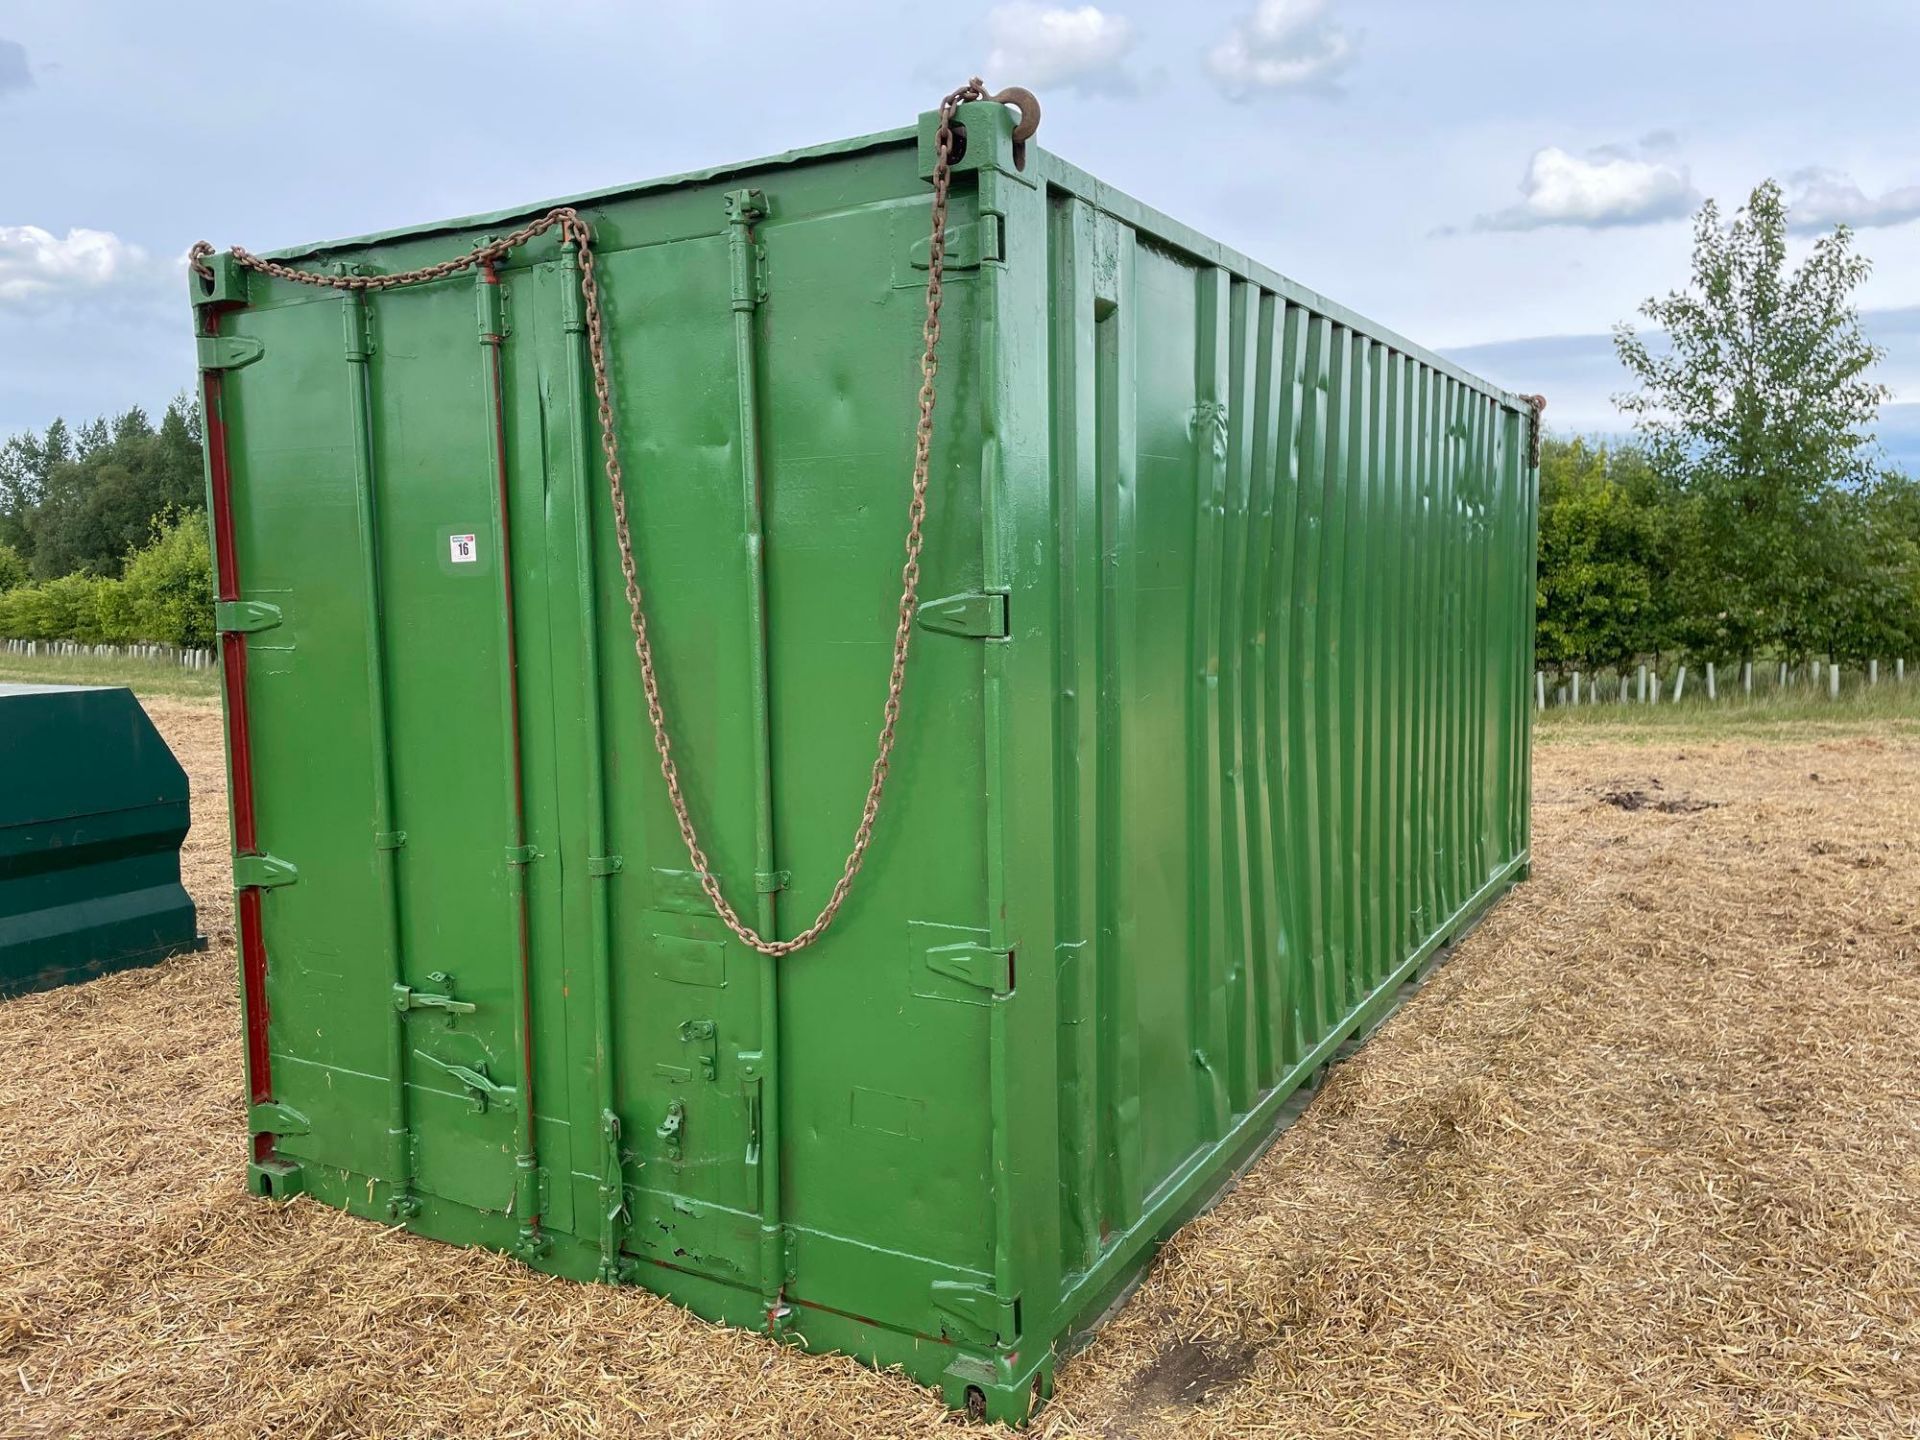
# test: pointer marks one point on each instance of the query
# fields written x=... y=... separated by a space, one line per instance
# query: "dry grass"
x=1644 y=1159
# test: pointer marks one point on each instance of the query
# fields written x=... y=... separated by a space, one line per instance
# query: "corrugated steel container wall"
x=1249 y=744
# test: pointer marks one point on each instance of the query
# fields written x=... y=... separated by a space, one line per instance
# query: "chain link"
x=1537 y=404
x=576 y=234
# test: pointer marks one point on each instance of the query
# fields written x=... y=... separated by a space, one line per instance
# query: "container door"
x=401 y=789
x=677 y=1096
x=462 y=589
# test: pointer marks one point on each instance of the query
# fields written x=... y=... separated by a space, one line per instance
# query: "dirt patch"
x=1640 y=1160
x=1622 y=798
x=1187 y=1375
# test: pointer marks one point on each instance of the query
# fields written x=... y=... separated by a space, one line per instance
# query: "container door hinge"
x=989 y=969
x=262 y=872
x=967 y=245
x=481 y=1090
x=979 y=617
x=522 y=854
x=604 y=865
x=273 y=1118
x=228 y=352
x=974 y=1313
x=244 y=617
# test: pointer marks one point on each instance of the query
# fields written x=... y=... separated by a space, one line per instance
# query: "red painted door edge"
x=233 y=664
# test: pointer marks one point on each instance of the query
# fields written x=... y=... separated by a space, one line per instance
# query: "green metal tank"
x=1214 y=732
x=93 y=808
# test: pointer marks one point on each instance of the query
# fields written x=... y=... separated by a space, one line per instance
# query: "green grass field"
x=1796 y=714
x=143 y=677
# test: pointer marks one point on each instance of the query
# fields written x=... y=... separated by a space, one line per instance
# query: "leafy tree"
x=1758 y=410
x=13 y=568
x=166 y=596
x=1870 y=604
x=63 y=609
x=80 y=501
x=24 y=462
x=168 y=587
x=1603 y=538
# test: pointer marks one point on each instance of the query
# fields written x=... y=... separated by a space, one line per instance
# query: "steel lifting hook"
x=1028 y=104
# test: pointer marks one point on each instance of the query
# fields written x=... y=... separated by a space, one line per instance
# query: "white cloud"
x=35 y=263
x=1819 y=199
x=1282 y=45
x=1607 y=187
x=1036 y=45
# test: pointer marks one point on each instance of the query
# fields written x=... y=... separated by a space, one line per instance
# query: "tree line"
x=103 y=534
x=1636 y=565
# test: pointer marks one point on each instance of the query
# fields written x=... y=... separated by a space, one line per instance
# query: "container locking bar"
x=747 y=257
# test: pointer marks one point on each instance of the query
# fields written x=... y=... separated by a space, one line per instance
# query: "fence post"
x=1833 y=681
x=1873 y=672
x=1712 y=694
x=1642 y=697
x=1900 y=669
x=1746 y=678
x=1540 y=689
x=1679 y=684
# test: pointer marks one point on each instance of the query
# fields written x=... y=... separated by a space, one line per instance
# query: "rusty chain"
x=575 y=233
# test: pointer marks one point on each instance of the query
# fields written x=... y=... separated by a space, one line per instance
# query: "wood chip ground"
x=1642 y=1160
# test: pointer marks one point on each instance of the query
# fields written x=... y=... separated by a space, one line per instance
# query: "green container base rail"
x=93 y=808
x=1215 y=729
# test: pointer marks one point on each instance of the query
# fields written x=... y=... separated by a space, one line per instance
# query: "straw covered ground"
x=1642 y=1159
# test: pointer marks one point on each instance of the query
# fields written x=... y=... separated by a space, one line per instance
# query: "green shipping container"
x=1214 y=732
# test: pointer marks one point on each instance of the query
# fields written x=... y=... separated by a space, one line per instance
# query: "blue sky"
x=1500 y=180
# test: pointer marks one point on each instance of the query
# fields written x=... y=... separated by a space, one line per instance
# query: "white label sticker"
x=463 y=549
